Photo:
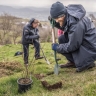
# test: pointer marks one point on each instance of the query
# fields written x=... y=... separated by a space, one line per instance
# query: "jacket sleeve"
x=28 y=36
x=37 y=32
x=75 y=35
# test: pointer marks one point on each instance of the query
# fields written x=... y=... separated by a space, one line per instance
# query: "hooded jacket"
x=81 y=35
x=29 y=33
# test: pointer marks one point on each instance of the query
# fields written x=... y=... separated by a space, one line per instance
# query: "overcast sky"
x=90 y=5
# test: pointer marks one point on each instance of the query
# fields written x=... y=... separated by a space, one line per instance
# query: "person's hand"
x=54 y=46
x=36 y=36
x=49 y=18
x=52 y=21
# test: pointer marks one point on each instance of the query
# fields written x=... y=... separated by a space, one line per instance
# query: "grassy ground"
x=74 y=84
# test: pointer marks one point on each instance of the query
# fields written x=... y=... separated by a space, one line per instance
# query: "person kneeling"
x=78 y=44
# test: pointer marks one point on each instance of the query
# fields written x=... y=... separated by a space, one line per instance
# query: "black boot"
x=39 y=57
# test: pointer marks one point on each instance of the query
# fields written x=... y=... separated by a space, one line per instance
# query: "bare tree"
x=16 y=32
x=92 y=16
x=6 y=25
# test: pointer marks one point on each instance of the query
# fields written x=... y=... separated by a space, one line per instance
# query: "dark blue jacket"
x=29 y=34
x=81 y=34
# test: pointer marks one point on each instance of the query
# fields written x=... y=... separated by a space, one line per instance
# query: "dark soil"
x=50 y=73
x=25 y=81
x=39 y=76
x=9 y=68
x=53 y=86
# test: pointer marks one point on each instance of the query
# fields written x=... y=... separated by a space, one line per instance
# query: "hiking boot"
x=68 y=65
x=40 y=57
x=86 y=68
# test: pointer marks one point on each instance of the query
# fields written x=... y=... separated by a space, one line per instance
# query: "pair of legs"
x=64 y=39
x=26 y=50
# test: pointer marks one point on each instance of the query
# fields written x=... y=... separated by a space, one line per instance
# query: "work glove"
x=35 y=37
x=52 y=21
x=54 y=46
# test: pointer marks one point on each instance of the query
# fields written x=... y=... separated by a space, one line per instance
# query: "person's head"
x=34 y=23
x=60 y=19
x=58 y=12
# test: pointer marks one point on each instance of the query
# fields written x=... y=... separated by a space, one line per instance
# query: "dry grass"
x=9 y=68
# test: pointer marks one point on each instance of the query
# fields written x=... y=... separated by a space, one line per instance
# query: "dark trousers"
x=64 y=39
x=26 y=50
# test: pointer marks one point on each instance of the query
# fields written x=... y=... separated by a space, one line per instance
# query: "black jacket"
x=29 y=34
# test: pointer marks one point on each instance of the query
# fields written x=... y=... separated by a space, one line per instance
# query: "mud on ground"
x=9 y=68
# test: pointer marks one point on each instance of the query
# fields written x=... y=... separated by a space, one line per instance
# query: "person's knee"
x=69 y=57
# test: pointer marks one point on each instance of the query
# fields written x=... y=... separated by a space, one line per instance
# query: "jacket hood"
x=76 y=11
x=31 y=21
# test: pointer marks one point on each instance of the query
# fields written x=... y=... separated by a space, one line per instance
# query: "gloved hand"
x=52 y=21
x=49 y=18
x=35 y=37
x=54 y=46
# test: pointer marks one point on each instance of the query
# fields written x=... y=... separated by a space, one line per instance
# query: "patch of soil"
x=25 y=81
x=4 y=72
x=50 y=73
x=9 y=68
x=50 y=87
x=39 y=76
